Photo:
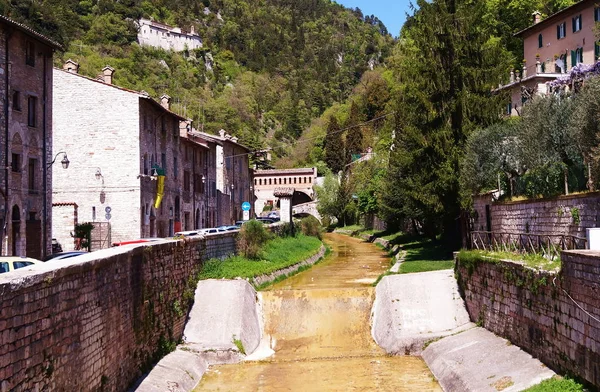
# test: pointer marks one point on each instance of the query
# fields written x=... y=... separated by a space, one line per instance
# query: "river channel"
x=318 y=324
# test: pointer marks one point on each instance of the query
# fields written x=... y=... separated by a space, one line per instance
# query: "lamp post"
x=65 y=164
x=232 y=208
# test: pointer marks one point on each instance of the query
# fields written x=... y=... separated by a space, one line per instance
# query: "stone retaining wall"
x=533 y=311
x=99 y=322
x=564 y=215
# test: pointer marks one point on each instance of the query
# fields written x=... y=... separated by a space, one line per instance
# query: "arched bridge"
x=305 y=209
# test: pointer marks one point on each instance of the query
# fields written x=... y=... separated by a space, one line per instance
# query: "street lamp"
x=64 y=162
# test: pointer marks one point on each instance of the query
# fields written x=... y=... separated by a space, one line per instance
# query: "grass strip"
x=277 y=253
x=556 y=384
x=530 y=259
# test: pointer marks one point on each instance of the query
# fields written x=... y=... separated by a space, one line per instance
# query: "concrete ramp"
x=413 y=309
x=223 y=311
x=180 y=371
x=478 y=360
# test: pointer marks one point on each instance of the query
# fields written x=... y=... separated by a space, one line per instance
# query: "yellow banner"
x=160 y=191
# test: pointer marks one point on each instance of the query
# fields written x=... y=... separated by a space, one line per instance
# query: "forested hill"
x=266 y=69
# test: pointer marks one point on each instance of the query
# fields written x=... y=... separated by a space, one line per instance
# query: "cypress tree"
x=354 y=136
x=334 y=146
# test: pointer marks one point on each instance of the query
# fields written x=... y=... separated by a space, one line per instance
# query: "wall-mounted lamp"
x=64 y=162
x=98 y=174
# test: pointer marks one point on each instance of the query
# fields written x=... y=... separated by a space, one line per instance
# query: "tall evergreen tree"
x=334 y=146
x=354 y=136
x=448 y=63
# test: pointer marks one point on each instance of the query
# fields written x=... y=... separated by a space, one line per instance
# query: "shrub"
x=310 y=226
x=251 y=238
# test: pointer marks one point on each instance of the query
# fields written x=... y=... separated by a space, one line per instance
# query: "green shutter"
x=596 y=51
x=573 y=58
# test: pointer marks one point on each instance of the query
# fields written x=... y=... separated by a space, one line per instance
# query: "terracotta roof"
x=29 y=31
x=552 y=18
x=141 y=95
x=283 y=171
x=65 y=204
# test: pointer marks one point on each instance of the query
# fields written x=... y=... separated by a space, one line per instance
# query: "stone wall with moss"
x=564 y=215
x=541 y=312
x=100 y=322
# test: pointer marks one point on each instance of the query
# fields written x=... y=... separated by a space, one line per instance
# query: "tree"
x=546 y=134
x=447 y=63
x=354 y=136
x=334 y=146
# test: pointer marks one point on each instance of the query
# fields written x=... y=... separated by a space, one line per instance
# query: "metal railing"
x=548 y=246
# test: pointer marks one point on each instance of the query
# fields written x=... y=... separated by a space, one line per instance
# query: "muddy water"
x=318 y=324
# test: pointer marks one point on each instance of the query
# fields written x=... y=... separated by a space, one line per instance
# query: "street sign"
x=245 y=206
x=107 y=210
x=107 y=216
x=246 y=215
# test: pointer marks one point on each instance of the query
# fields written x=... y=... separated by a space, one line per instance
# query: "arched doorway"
x=197 y=220
x=16 y=230
x=177 y=215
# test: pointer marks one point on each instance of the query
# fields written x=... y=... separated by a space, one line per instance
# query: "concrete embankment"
x=423 y=314
x=413 y=309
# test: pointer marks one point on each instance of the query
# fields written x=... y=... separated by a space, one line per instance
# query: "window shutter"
x=596 y=51
x=580 y=22
x=558 y=32
x=573 y=58
x=573 y=23
x=581 y=55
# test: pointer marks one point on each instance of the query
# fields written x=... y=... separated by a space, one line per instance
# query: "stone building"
x=233 y=184
x=551 y=48
x=25 y=139
x=120 y=142
x=199 y=180
x=300 y=180
x=160 y=35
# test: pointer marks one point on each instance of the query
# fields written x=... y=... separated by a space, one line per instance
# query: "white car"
x=11 y=263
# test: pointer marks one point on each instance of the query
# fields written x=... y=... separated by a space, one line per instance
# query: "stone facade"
x=266 y=181
x=25 y=135
x=541 y=312
x=101 y=322
x=115 y=139
x=64 y=215
x=160 y=35
x=564 y=215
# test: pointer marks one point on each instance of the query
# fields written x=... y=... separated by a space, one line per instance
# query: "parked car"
x=274 y=215
x=228 y=228
x=188 y=233
x=212 y=230
x=65 y=255
x=11 y=263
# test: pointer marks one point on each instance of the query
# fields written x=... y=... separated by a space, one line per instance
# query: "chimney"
x=222 y=133
x=71 y=66
x=107 y=74
x=537 y=17
x=164 y=101
x=234 y=139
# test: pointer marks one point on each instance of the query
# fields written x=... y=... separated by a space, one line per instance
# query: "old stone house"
x=160 y=35
x=25 y=140
x=120 y=142
x=552 y=47
x=199 y=179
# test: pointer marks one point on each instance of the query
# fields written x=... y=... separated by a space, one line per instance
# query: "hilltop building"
x=267 y=182
x=160 y=35
x=25 y=140
x=552 y=47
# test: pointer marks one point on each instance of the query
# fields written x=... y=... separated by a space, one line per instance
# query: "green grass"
x=531 y=260
x=277 y=253
x=423 y=254
x=556 y=384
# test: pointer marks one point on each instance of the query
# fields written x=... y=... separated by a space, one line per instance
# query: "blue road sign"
x=245 y=206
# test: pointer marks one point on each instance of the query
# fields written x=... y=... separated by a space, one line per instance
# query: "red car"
x=140 y=241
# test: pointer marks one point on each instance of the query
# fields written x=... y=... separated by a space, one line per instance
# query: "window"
x=186 y=181
x=576 y=23
x=16 y=101
x=175 y=167
x=509 y=108
x=597 y=14
x=175 y=128
x=16 y=163
x=576 y=56
x=30 y=53
x=596 y=50
x=31 y=111
x=93 y=213
x=561 y=30
x=540 y=41
x=145 y=164
x=31 y=175
x=163 y=158
x=3 y=267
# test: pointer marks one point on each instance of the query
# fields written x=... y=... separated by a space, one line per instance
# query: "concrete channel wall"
x=100 y=322
x=553 y=316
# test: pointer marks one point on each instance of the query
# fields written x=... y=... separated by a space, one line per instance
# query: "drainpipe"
x=6 y=134
x=45 y=159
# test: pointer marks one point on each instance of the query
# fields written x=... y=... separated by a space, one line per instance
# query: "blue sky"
x=391 y=12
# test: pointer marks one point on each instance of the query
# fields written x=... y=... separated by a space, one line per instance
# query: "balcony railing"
x=548 y=246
